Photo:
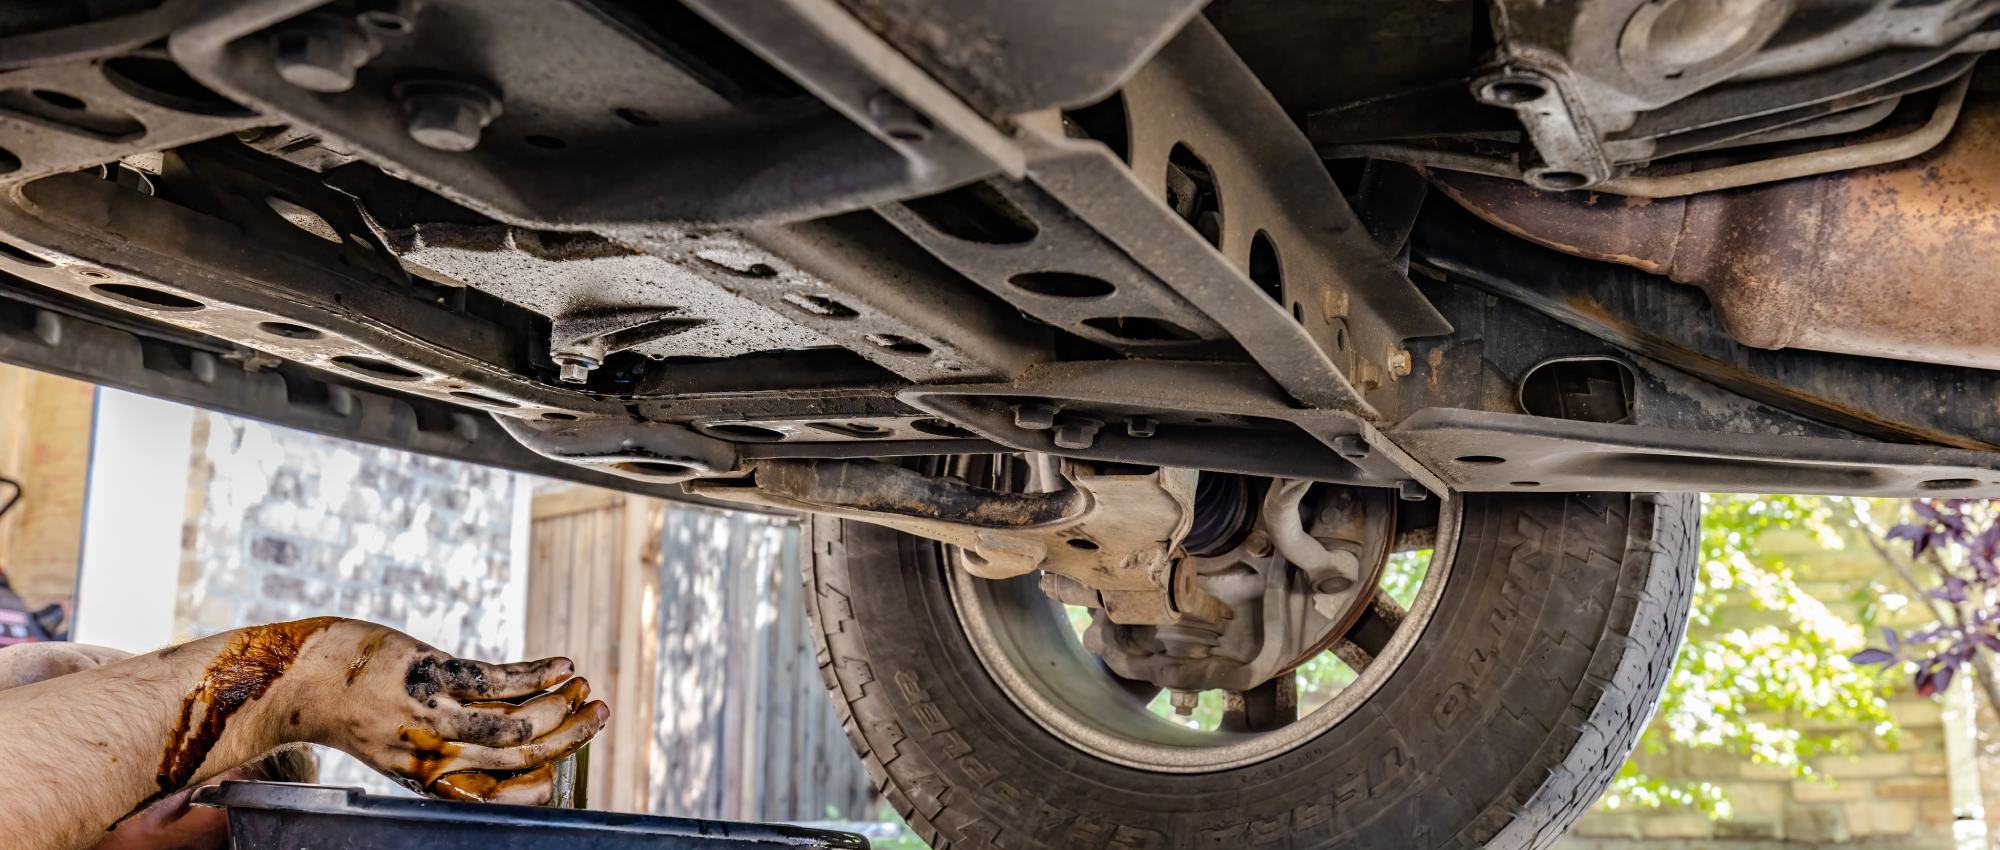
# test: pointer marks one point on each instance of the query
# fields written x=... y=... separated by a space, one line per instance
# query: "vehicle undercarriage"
x=1187 y=317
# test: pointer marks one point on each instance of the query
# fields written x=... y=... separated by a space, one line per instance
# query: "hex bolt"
x=1035 y=416
x=1258 y=544
x=575 y=368
x=322 y=54
x=1185 y=701
x=1141 y=426
x=1411 y=491
x=447 y=114
x=1351 y=446
x=1400 y=362
x=1076 y=434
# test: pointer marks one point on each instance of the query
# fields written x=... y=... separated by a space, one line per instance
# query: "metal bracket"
x=1116 y=534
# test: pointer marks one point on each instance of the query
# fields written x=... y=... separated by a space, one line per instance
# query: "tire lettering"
x=1134 y=838
x=929 y=717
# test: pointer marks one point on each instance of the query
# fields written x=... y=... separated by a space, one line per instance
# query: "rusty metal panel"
x=1880 y=261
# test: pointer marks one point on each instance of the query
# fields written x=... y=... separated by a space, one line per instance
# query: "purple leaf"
x=1872 y=656
x=1943 y=679
x=1889 y=637
x=1907 y=531
x=1953 y=590
x=1925 y=681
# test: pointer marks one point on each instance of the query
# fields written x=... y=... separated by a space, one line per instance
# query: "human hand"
x=444 y=726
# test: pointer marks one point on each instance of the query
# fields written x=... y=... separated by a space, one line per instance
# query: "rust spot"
x=369 y=647
x=241 y=673
x=295 y=718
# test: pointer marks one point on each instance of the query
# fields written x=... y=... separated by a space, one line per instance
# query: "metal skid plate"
x=610 y=140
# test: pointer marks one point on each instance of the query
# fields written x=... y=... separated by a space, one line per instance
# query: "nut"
x=1077 y=434
x=322 y=56
x=575 y=369
x=1035 y=416
x=1185 y=701
x=1399 y=362
x=447 y=115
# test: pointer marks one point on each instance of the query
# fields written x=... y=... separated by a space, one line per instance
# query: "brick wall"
x=283 y=524
x=44 y=443
x=1878 y=797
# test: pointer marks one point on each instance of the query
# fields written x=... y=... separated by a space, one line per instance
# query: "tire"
x=1553 y=635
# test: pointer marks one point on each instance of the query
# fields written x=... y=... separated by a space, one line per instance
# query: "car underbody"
x=1188 y=315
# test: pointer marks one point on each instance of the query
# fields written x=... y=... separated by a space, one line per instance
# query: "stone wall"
x=283 y=524
x=1877 y=797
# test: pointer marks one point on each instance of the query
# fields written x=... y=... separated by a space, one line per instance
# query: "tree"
x=1952 y=546
x=1748 y=690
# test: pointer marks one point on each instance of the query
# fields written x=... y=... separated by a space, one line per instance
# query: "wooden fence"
x=697 y=620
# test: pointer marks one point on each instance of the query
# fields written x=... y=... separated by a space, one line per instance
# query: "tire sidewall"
x=1521 y=697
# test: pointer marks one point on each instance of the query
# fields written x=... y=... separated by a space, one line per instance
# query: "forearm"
x=85 y=749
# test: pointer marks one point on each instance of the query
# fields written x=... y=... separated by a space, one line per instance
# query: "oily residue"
x=368 y=649
x=468 y=787
x=485 y=787
x=430 y=675
x=242 y=672
x=428 y=754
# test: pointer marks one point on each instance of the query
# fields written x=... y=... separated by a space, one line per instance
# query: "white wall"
x=135 y=503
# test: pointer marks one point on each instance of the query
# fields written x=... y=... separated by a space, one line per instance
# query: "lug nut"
x=1035 y=417
x=1077 y=434
x=447 y=115
x=323 y=55
x=1141 y=426
x=1185 y=701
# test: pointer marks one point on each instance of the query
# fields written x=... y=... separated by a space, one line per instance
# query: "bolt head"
x=1258 y=544
x=1035 y=417
x=447 y=115
x=1411 y=491
x=1077 y=434
x=1399 y=362
x=321 y=59
x=445 y=125
x=574 y=370
x=1141 y=426
x=1351 y=446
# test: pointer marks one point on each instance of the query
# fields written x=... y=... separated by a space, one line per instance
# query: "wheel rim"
x=1025 y=643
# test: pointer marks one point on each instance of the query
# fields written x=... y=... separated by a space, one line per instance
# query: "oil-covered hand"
x=445 y=726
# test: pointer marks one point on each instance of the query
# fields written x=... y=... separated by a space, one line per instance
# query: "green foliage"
x=1754 y=692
